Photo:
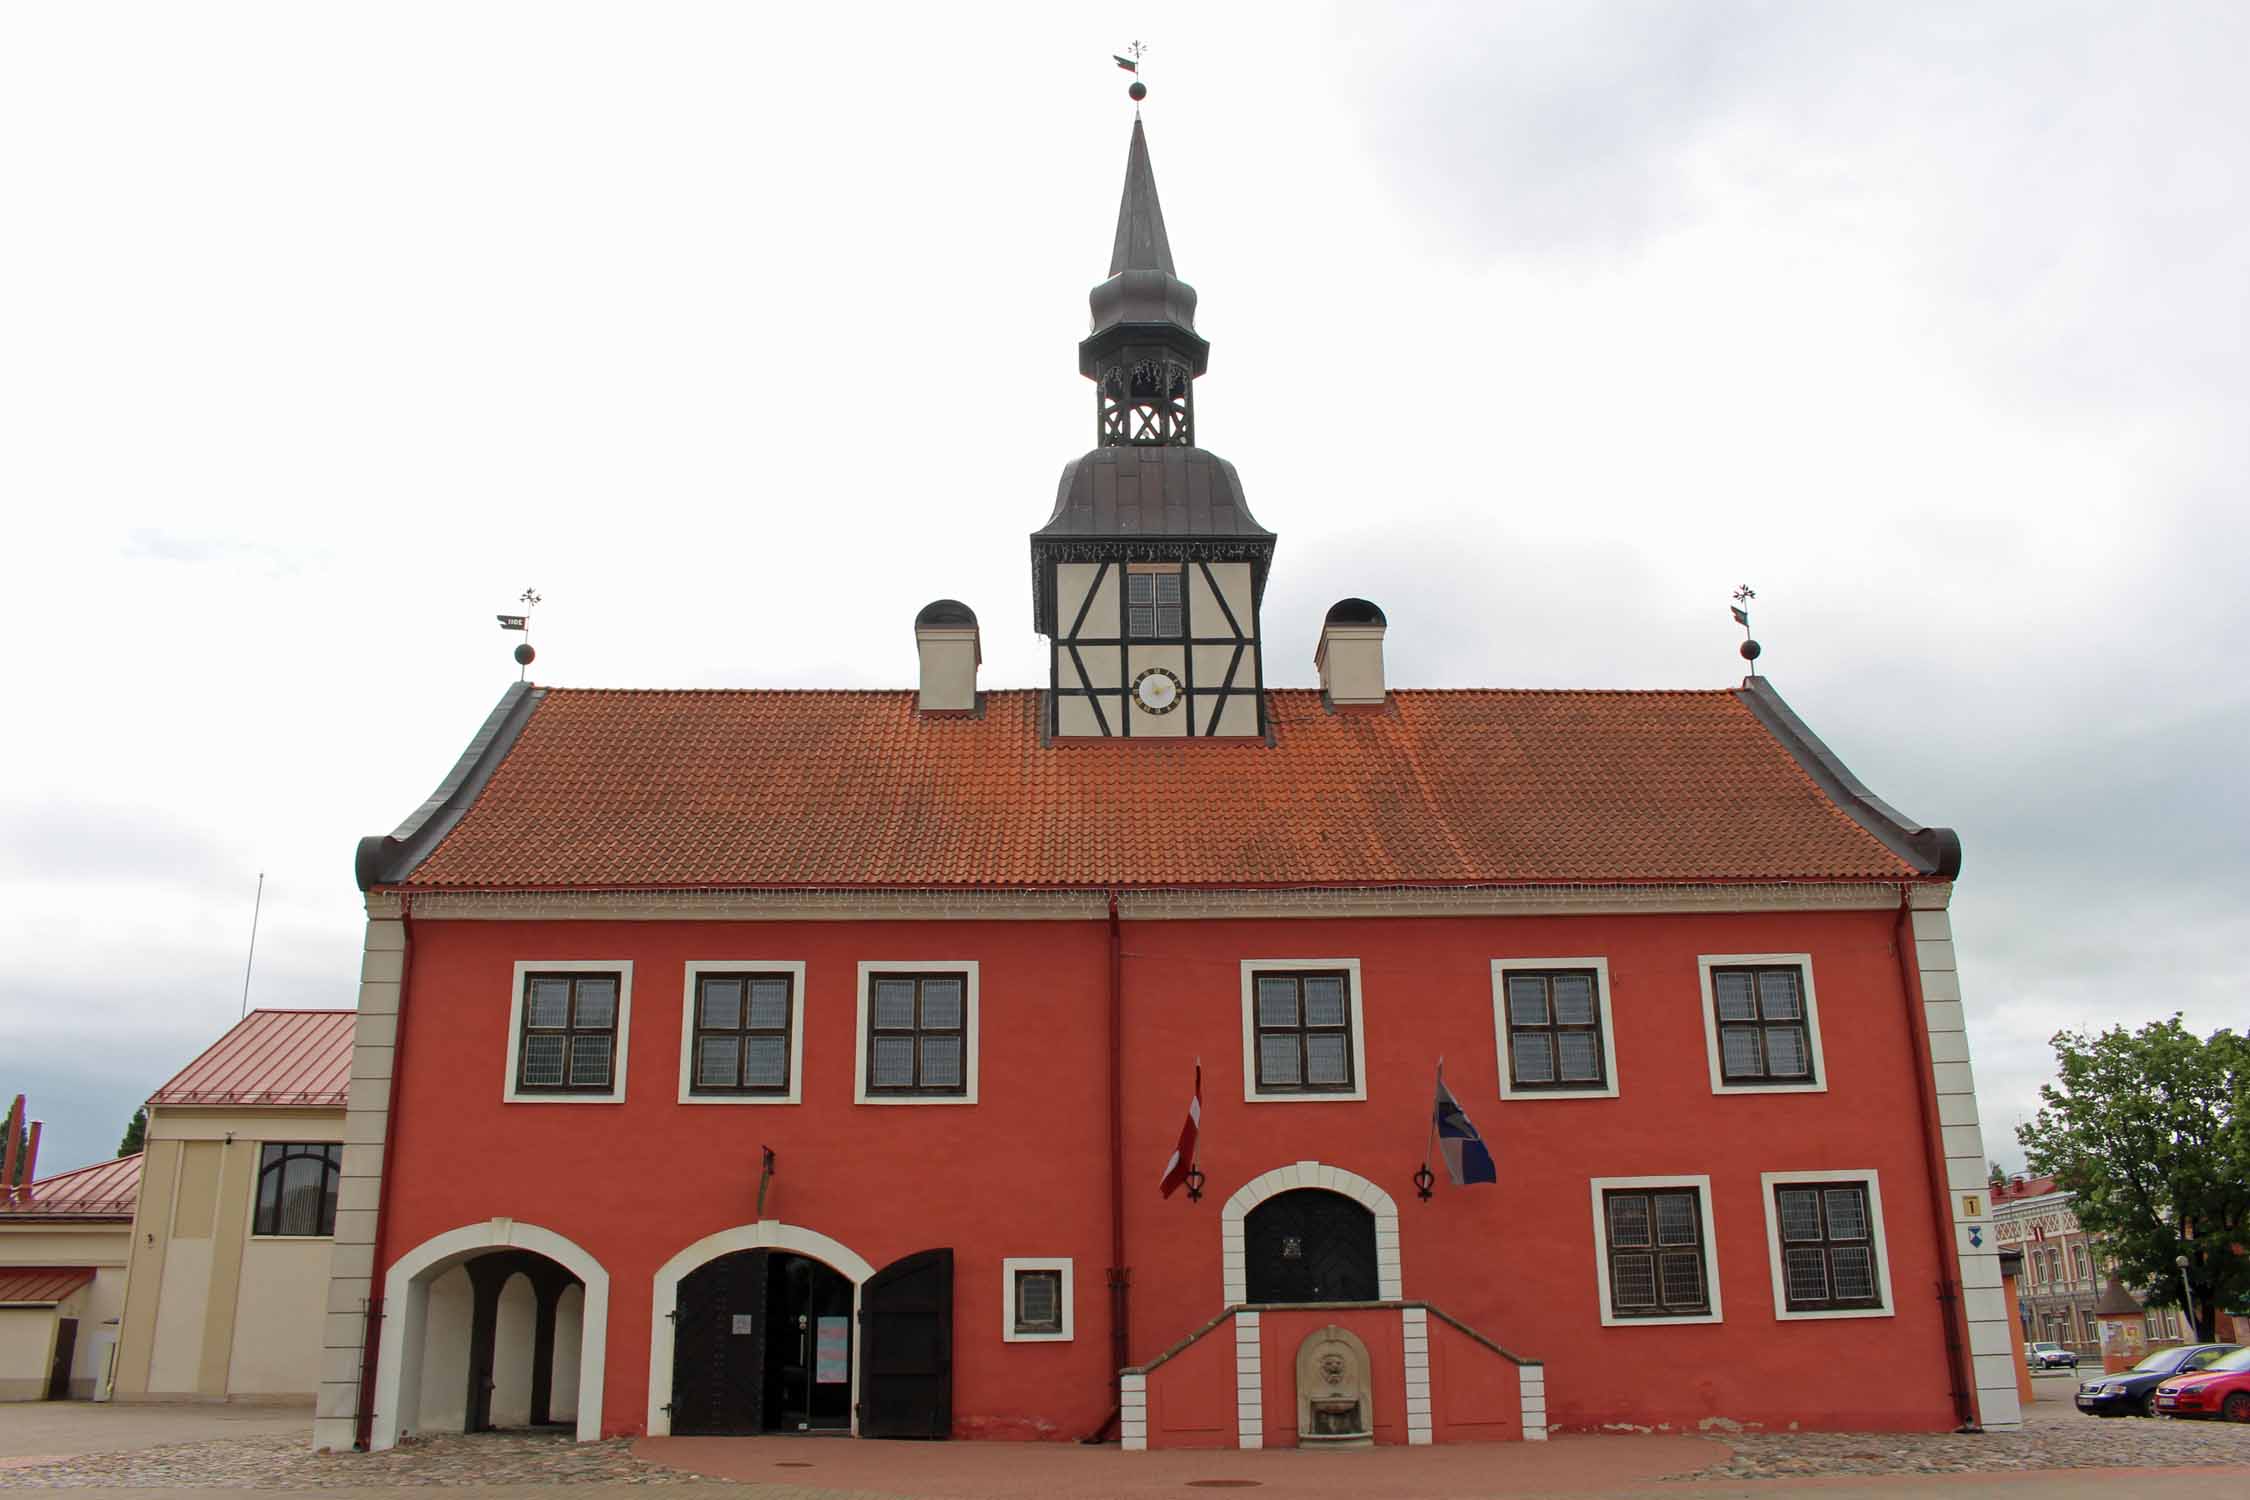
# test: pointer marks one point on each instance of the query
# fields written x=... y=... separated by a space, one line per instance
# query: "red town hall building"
x=751 y=1061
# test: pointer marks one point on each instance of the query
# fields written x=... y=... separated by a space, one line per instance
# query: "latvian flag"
x=1183 y=1155
x=1466 y=1159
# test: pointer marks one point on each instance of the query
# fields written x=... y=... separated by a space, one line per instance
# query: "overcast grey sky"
x=741 y=333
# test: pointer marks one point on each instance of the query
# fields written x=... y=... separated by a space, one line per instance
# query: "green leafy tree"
x=135 y=1133
x=1995 y=1174
x=2151 y=1130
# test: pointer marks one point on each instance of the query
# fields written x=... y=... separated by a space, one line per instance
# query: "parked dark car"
x=2044 y=1356
x=2133 y=1393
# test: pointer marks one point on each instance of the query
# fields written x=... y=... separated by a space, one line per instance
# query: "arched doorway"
x=1310 y=1245
x=492 y=1325
x=763 y=1343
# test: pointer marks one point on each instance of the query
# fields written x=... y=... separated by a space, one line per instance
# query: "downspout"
x=1933 y=1151
x=364 y=1419
x=1120 y=1274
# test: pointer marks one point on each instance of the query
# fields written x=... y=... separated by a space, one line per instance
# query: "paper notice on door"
x=832 y=1351
x=743 y=1322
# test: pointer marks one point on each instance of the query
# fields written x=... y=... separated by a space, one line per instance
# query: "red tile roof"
x=826 y=789
x=38 y=1286
x=105 y=1190
x=279 y=1057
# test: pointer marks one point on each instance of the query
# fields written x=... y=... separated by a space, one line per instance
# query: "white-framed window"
x=742 y=1032
x=569 y=1023
x=1038 y=1299
x=1303 y=1036
x=1551 y=1019
x=1761 y=1023
x=1825 y=1244
x=917 y=1032
x=1655 y=1260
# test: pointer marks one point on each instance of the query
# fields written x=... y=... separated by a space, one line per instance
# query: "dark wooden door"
x=66 y=1346
x=1310 y=1245
x=718 y=1346
x=906 y=1348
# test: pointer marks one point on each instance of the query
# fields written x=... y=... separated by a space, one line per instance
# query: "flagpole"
x=1431 y=1144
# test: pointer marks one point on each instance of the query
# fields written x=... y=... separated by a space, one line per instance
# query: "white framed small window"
x=917 y=1032
x=569 y=1025
x=1551 y=1020
x=1761 y=1023
x=1303 y=1032
x=742 y=1032
x=1655 y=1255
x=1038 y=1300
x=1824 y=1241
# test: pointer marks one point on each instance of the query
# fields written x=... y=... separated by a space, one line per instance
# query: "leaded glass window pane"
x=1800 y=1213
x=1847 y=1214
x=722 y=1004
x=1777 y=994
x=589 y=1062
x=1736 y=1002
x=597 y=1004
x=1277 y=1059
x=1676 y=1219
x=769 y=1004
x=1806 y=1273
x=1785 y=1052
x=891 y=1061
x=941 y=1062
x=1535 y=1061
x=1574 y=1000
x=1581 y=1060
x=1739 y=1052
x=718 y=1061
x=1324 y=1002
x=1038 y=1301
x=894 y=1004
x=1277 y=1002
x=765 y=1062
x=1628 y=1219
x=1527 y=1002
x=550 y=1003
x=543 y=1060
x=941 y=1004
x=1325 y=1061
x=1680 y=1277
x=1633 y=1281
x=1855 y=1273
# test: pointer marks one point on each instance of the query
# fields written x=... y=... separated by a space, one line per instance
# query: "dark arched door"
x=762 y=1343
x=1310 y=1245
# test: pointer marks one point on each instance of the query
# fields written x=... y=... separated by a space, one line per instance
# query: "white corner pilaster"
x=1414 y=1335
x=1991 y=1341
x=1249 y=1383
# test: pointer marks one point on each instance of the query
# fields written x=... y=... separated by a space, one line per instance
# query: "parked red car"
x=2221 y=1389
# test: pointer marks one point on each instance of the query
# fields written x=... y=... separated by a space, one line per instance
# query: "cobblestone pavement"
x=2053 y=1440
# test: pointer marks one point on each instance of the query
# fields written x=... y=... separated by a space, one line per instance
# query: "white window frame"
x=1767 y=1181
x=1008 y=1268
x=1704 y=964
x=1710 y=1247
x=623 y=969
x=868 y=969
x=696 y=969
x=1501 y=968
x=1251 y=969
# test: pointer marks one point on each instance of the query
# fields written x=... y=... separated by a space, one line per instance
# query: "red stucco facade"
x=1023 y=1171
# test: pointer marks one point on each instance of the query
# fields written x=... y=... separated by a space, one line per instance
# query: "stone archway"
x=1390 y=1280
x=765 y=1234
x=407 y=1301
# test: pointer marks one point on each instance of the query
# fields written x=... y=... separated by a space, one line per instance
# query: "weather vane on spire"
x=1741 y=611
x=1132 y=65
x=529 y=599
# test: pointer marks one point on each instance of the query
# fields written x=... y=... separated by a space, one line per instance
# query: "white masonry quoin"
x=1249 y=1384
x=1991 y=1337
x=1414 y=1336
x=351 y=1266
x=1534 y=1381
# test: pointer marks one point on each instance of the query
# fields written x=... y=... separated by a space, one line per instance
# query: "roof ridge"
x=1016 y=692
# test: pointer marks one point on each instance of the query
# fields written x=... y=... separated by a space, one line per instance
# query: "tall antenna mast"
x=257 y=903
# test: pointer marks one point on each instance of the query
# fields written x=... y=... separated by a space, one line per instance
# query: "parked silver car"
x=2045 y=1356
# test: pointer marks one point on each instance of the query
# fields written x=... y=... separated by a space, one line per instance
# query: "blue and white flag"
x=1466 y=1159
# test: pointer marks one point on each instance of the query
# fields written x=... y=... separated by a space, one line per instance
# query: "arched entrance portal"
x=497 y=1324
x=1310 y=1245
x=763 y=1343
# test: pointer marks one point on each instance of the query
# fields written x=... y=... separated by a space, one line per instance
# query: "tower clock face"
x=1156 y=691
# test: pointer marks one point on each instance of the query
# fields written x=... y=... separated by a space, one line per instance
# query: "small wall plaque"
x=743 y=1322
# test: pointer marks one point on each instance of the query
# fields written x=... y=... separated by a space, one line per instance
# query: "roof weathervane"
x=529 y=599
x=1131 y=63
x=1751 y=650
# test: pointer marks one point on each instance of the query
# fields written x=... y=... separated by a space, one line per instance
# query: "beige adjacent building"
x=236 y=1215
x=64 y=1243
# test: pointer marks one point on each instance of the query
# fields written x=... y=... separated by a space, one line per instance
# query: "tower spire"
x=1143 y=354
x=1141 y=241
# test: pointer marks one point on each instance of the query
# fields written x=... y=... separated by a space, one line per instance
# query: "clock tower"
x=1148 y=576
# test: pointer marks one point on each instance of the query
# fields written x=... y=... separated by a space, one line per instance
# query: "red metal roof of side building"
x=40 y=1286
x=705 y=789
x=271 y=1057
x=2023 y=1187
x=105 y=1190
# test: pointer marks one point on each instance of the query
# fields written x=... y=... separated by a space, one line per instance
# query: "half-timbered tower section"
x=755 y=1061
x=1148 y=576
